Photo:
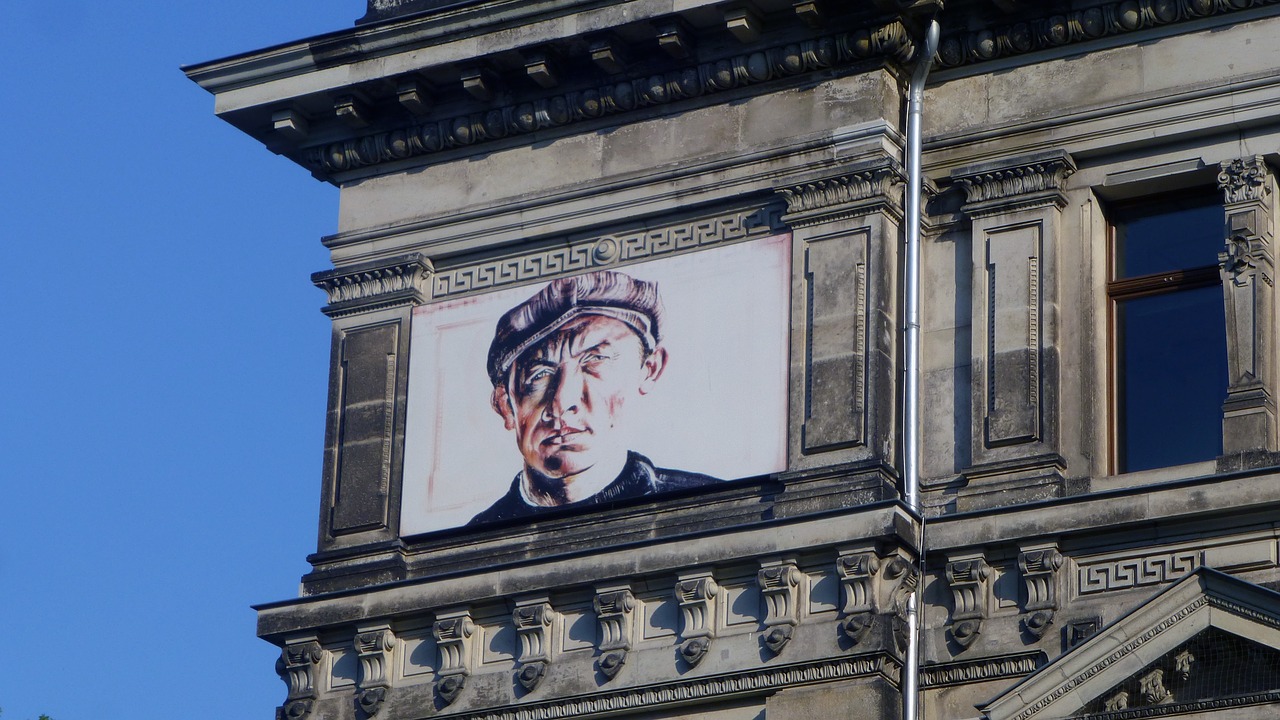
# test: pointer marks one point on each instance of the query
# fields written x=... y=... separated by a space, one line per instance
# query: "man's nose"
x=568 y=392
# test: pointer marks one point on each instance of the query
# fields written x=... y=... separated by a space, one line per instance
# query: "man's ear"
x=654 y=363
x=501 y=405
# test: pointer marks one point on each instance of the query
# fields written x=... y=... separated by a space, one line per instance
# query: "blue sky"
x=163 y=364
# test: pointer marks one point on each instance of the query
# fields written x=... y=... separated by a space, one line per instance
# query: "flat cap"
x=604 y=292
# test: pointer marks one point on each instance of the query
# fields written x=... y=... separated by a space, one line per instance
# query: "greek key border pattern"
x=1136 y=572
x=1113 y=658
x=714 y=687
x=605 y=251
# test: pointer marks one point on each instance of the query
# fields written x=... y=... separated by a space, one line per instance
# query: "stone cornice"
x=557 y=110
x=1046 y=32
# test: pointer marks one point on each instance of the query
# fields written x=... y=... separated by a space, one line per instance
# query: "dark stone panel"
x=835 y=378
x=366 y=429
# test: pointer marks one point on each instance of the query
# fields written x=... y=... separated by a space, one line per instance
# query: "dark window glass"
x=1171 y=234
x=1169 y=334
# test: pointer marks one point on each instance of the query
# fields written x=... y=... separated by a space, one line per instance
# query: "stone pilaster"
x=845 y=224
x=371 y=305
x=1015 y=207
x=1247 y=266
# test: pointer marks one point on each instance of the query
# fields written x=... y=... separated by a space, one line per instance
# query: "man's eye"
x=537 y=377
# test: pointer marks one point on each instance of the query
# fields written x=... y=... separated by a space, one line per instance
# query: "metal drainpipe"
x=911 y=342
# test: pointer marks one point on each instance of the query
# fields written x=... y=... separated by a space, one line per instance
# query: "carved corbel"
x=535 y=624
x=968 y=581
x=900 y=579
x=857 y=577
x=780 y=586
x=453 y=632
x=697 y=598
x=1039 y=575
x=374 y=646
x=298 y=666
x=614 y=611
x=1247 y=268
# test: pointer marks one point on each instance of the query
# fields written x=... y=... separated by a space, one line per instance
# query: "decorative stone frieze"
x=606 y=250
x=534 y=621
x=1039 y=569
x=968 y=579
x=760 y=679
x=891 y=41
x=1247 y=268
x=968 y=671
x=298 y=666
x=373 y=286
x=857 y=572
x=780 y=586
x=373 y=647
x=697 y=597
x=614 y=610
x=1059 y=30
x=453 y=632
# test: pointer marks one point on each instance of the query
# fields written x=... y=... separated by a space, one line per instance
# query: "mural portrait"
x=661 y=376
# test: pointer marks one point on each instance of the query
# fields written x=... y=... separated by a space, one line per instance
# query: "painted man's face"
x=567 y=397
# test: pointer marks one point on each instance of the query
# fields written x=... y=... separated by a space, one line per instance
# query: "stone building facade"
x=1100 y=181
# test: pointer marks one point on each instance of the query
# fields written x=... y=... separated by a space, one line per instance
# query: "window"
x=1168 y=332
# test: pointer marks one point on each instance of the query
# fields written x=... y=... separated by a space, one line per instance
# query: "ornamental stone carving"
x=614 y=611
x=1015 y=179
x=843 y=189
x=535 y=623
x=1247 y=269
x=298 y=666
x=697 y=597
x=902 y=578
x=558 y=110
x=968 y=579
x=375 y=285
x=1039 y=569
x=780 y=585
x=373 y=647
x=453 y=632
x=857 y=573
x=1082 y=25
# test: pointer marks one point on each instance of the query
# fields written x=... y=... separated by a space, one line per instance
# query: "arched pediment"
x=1209 y=642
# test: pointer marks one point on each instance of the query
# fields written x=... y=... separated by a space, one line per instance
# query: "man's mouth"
x=564 y=437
